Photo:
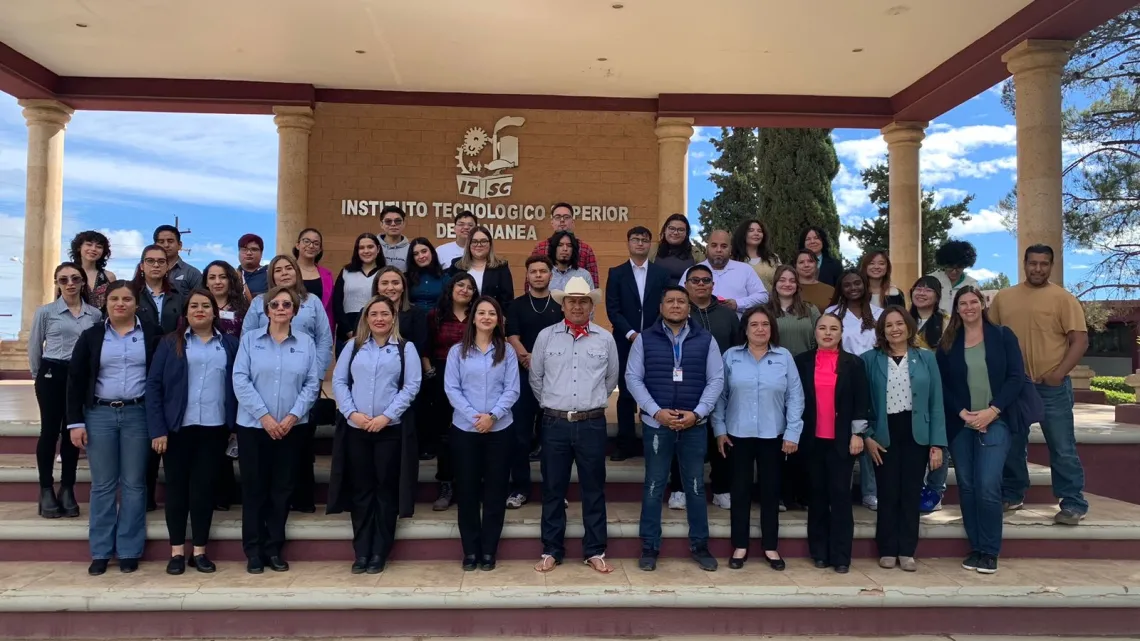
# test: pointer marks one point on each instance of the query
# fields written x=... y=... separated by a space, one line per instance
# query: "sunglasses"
x=701 y=280
x=69 y=280
x=281 y=304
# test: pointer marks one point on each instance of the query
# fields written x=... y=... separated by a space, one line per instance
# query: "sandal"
x=601 y=566
x=546 y=564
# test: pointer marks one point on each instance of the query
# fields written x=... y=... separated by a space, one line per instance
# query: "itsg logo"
x=474 y=179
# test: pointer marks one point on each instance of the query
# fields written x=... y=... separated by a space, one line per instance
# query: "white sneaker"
x=677 y=501
x=723 y=501
x=871 y=503
x=783 y=508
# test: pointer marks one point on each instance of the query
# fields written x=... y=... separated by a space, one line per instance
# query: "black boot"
x=49 y=506
x=67 y=501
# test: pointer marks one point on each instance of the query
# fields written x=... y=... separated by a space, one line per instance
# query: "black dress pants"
x=795 y=484
x=268 y=468
x=440 y=413
x=482 y=471
x=226 y=491
x=524 y=428
x=152 y=463
x=51 y=394
x=900 y=489
x=831 y=525
x=752 y=456
x=193 y=454
x=374 y=469
x=305 y=483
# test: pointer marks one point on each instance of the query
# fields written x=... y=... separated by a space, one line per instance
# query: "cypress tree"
x=734 y=174
x=795 y=168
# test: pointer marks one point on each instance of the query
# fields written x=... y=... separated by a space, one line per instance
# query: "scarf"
x=578 y=331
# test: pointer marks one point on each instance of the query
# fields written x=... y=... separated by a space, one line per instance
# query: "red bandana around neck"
x=578 y=331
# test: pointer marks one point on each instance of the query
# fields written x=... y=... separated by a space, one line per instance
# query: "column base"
x=14 y=361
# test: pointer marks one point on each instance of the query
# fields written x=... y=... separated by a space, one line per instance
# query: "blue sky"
x=126 y=173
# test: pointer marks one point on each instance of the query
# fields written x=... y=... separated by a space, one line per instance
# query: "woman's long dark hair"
x=90 y=236
x=128 y=285
x=320 y=254
x=799 y=308
x=555 y=240
x=826 y=251
x=864 y=303
x=84 y=291
x=235 y=297
x=357 y=265
x=140 y=278
x=177 y=338
x=955 y=325
x=498 y=335
x=740 y=242
x=415 y=272
x=447 y=298
x=405 y=296
x=683 y=250
x=932 y=330
x=881 y=342
x=885 y=281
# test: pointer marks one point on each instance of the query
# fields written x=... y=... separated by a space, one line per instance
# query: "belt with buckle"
x=107 y=403
x=575 y=416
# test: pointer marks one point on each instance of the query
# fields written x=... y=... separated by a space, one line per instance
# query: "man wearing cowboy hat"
x=573 y=369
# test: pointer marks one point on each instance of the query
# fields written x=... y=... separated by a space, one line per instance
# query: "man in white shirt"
x=954 y=257
x=465 y=223
x=735 y=284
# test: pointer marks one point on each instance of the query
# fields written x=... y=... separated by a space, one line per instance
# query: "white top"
x=477 y=274
x=738 y=282
x=357 y=290
x=856 y=340
x=898 y=386
x=448 y=253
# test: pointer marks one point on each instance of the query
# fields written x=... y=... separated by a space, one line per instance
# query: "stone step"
x=1112 y=530
x=321 y=599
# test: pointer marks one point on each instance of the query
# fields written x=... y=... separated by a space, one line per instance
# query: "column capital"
x=1033 y=55
x=46 y=112
x=904 y=132
x=293 y=118
x=674 y=129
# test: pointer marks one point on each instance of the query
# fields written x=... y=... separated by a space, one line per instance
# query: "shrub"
x=1112 y=383
x=1118 y=398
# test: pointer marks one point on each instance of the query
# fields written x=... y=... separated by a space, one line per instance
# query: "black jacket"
x=1004 y=368
x=852 y=399
x=173 y=303
x=84 y=368
x=720 y=321
x=168 y=386
x=829 y=271
x=624 y=306
x=497 y=283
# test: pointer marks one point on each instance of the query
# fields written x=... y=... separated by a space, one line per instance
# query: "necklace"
x=544 y=308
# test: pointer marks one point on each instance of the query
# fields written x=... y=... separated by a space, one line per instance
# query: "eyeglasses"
x=675 y=230
x=392 y=221
x=700 y=280
x=154 y=262
x=562 y=217
x=924 y=290
x=250 y=250
x=640 y=239
x=72 y=280
x=309 y=242
x=480 y=243
x=280 y=304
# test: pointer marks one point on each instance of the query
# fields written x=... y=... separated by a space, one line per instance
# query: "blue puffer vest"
x=657 y=348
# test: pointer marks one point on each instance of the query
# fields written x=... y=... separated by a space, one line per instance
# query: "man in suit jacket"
x=633 y=298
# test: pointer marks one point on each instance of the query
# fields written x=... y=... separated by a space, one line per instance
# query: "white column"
x=673 y=136
x=904 y=139
x=294 y=124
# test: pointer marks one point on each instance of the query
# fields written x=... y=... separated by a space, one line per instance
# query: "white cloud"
x=848 y=247
x=997 y=255
x=1084 y=251
x=211 y=251
x=1079 y=266
x=947 y=194
x=699 y=155
x=984 y=222
x=982 y=274
x=126 y=249
x=944 y=154
x=702 y=134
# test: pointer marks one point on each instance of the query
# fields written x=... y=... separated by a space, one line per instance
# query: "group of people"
x=781 y=376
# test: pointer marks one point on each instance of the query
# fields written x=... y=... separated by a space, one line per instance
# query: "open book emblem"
x=488 y=181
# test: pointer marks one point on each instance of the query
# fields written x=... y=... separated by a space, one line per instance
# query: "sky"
x=126 y=173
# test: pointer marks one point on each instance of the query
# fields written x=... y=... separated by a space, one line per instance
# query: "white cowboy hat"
x=577 y=286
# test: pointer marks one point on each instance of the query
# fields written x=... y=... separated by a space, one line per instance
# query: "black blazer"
x=624 y=306
x=84 y=368
x=497 y=283
x=173 y=303
x=829 y=271
x=1006 y=372
x=852 y=398
x=168 y=386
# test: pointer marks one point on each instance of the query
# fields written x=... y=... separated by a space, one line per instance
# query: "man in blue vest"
x=675 y=373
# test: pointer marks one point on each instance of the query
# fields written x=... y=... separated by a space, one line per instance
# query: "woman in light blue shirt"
x=312 y=320
x=760 y=416
x=375 y=381
x=481 y=380
x=277 y=376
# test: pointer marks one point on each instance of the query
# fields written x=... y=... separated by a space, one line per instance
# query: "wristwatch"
x=493 y=417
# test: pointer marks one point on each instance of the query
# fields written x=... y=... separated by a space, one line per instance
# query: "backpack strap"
x=400 y=346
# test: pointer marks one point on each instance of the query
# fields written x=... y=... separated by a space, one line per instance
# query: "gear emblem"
x=474 y=141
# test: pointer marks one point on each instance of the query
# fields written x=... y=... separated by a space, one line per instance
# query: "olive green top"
x=978 y=377
x=797 y=335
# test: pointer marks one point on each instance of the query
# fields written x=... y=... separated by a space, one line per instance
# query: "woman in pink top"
x=836 y=405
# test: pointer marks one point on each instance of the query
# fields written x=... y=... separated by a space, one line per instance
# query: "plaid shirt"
x=444 y=334
x=586 y=259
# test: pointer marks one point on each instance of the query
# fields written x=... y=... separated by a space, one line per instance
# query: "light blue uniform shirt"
x=310 y=320
x=375 y=372
x=206 y=381
x=55 y=330
x=475 y=385
x=635 y=377
x=122 y=365
x=275 y=378
x=762 y=398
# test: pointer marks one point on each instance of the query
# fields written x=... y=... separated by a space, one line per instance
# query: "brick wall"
x=407 y=153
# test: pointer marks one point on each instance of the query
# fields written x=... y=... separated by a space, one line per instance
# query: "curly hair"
x=90 y=236
x=956 y=253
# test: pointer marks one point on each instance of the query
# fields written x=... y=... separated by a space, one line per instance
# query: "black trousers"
x=900 y=489
x=525 y=429
x=226 y=491
x=305 y=483
x=193 y=454
x=831 y=525
x=627 y=440
x=795 y=483
x=481 y=487
x=440 y=412
x=152 y=464
x=374 y=469
x=752 y=456
x=51 y=394
x=565 y=445
x=720 y=473
x=268 y=468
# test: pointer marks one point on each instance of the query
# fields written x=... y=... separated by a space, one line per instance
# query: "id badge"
x=678 y=376
x=227 y=314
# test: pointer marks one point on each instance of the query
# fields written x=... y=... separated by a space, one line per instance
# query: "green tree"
x=1001 y=281
x=734 y=174
x=873 y=233
x=796 y=167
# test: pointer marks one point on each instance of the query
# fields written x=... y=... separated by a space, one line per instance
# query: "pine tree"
x=1001 y=281
x=795 y=169
x=734 y=174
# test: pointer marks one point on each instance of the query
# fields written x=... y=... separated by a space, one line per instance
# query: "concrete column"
x=294 y=124
x=43 y=210
x=1036 y=66
x=903 y=142
x=673 y=136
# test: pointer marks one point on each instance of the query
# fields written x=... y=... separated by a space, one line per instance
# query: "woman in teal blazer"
x=907 y=429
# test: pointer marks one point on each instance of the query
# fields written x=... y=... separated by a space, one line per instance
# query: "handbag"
x=324 y=411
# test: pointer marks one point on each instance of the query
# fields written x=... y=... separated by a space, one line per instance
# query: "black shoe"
x=98 y=567
x=704 y=559
x=426 y=456
x=277 y=564
x=735 y=563
x=842 y=569
x=470 y=564
x=304 y=509
x=987 y=564
x=360 y=565
x=222 y=507
x=376 y=564
x=49 y=505
x=67 y=501
x=151 y=505
x=820 y=563
x=776 y=564
x=647 y=562
x=536 y=454
x=254 y=566
x=203 y=564
x=971 y=562
x=126 y=566
x=622 y=454
x=176 y=565
x=488 y=563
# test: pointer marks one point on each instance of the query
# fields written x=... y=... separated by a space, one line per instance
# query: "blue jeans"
x=936 y=479
x=1068 y=476
x=566 y=444
x=979 y=459
x=867 y=483
x=118 y=447
x=690 y=447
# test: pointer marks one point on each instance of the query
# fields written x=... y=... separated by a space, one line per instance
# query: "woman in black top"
x=91 y=250
x=354 y=286
x=675 y=252
x=160 y=303
x=492 y=274
x=815 y=240
x=924 y=298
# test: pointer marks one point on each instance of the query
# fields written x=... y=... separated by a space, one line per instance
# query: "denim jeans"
x=118 y=447
x=979 y=459
x=1068 y=476
x=690 y=447
x=936 y=479
x=566 y=444
x=867 y=484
